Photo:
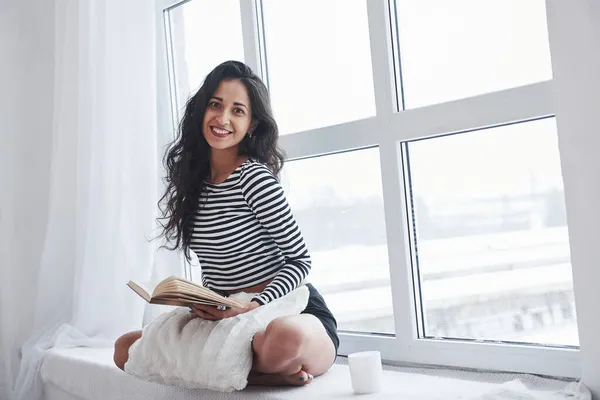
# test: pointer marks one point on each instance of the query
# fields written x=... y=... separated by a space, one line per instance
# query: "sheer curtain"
x=104 y=186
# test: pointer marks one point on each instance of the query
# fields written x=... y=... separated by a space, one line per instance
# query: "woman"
x=224 y=202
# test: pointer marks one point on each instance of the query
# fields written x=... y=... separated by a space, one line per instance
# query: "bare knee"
x=122 y=346
x=278 y=347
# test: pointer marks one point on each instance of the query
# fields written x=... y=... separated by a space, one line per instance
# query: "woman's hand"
x=212 y=313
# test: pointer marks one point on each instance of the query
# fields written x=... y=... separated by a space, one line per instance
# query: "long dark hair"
x=187 y=160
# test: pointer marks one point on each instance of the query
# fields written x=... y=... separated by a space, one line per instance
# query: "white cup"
x=366 y=372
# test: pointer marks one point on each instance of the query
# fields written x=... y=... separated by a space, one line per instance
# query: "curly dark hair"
x=187 y=160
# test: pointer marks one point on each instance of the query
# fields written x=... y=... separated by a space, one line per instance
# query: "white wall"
x=26 y=82
x=574 y=31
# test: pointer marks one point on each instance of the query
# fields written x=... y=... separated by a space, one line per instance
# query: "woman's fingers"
x=207 y=312
x=204 y=315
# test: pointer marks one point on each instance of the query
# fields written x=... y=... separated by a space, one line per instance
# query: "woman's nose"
x=223 y=118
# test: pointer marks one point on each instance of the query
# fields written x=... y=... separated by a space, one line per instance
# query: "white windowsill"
x=89 y=374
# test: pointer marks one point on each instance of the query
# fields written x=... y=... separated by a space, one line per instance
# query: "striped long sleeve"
x=265 y=197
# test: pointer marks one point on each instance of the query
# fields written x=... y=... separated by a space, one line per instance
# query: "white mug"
x=366 y=372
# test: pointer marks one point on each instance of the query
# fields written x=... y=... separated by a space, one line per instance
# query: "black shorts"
x=316 y=306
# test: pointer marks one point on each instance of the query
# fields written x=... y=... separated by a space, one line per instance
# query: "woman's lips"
x=219 y=132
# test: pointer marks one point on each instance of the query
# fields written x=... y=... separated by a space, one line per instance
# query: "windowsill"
x=90 y=374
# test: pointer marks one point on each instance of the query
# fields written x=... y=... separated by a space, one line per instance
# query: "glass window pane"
x=200 y=41
x=460 y=48
x=338 y=203
x=492 y=239
x=319 y=62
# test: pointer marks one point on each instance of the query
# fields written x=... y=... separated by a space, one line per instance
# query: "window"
x=460 y=48
x=492 y=241
x=199 y=42
x=422 y=168
x=338 y=203
x=322 y=75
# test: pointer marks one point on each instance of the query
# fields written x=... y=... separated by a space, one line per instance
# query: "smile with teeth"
x=219 y=132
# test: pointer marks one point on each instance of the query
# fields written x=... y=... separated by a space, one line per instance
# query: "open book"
x=176 y=291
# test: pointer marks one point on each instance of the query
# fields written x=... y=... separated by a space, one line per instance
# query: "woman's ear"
x=252 y=128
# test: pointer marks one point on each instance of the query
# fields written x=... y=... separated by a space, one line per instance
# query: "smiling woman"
x=225 y=203
x=227 y=119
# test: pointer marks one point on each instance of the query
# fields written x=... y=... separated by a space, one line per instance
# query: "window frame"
x=387 y=130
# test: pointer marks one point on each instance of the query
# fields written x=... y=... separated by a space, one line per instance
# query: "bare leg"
x=291 y=350
x=122 y=346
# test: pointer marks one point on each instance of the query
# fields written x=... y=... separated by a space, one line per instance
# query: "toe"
x=300 y=378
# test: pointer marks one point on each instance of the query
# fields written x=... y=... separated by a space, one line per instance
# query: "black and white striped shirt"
x=244 y=234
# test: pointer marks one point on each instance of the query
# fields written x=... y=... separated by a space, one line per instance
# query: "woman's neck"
x=223 y=163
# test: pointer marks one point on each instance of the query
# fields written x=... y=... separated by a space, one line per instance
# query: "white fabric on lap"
x=181 y=350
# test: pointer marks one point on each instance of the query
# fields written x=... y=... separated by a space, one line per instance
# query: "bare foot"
x=300 y=378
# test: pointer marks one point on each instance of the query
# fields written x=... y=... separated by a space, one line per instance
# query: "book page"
x=173 y=286
x=140 y=290
x=181 y=292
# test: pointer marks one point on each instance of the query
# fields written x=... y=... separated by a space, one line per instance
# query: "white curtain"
x=104 y=184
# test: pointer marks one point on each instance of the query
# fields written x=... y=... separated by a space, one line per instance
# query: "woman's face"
x=228 y=116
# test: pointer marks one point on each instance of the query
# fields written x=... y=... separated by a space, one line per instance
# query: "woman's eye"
x=213 y=104
x=238 y=111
